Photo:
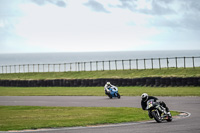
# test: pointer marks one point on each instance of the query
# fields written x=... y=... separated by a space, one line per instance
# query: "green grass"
x=28 y=117
x=171 y=72
x=98 y=91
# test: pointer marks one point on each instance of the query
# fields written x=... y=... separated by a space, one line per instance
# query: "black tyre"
x=118 y=95
x=150 y=114
x=109 y=95
x=169 y=119
x=156 y=116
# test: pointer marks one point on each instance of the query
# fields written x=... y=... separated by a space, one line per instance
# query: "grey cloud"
x=163 y=22
x=186 y=13
x=193 y=5
x=128 y=4
x=39 y=2
x=60 y=3
x=159 y=7
x=191 y=21
x=96 y=6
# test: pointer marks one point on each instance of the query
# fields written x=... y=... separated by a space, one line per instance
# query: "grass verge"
x=164 y=72
x=98 y=91
x=29 y=117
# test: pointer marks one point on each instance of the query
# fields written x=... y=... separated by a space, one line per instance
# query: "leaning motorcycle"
x=113 y=92
x=155 y=112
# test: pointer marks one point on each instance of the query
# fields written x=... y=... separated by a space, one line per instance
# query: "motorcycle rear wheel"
x=169 y=119
x=157 y=116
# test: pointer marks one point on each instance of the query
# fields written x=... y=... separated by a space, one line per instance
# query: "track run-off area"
x=189 y=122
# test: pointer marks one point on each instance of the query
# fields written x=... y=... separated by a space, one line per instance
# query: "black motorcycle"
x=155 y=112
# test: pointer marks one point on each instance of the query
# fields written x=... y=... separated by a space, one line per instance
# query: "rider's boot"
x=150 y=115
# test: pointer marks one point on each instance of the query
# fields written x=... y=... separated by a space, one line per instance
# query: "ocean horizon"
x=70 y=57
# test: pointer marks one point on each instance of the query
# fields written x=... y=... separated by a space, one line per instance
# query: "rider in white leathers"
x=107 y=86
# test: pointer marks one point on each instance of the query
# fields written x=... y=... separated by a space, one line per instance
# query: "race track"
x=181 y=125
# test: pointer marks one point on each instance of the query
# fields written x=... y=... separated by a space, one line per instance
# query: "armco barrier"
x=149 y=81
x=128 y=64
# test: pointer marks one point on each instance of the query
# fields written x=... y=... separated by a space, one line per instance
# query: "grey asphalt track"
x=190 y=124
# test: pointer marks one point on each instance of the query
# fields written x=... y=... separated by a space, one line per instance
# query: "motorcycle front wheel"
x=118 y=95
x=110 y=96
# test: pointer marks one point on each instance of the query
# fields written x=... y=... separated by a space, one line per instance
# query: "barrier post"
x=70 y=67
x=84 y=67
x=159 y=63
x=193 y=62
x=123 y=64
x=167 y=63
x=109 y=64
x=96 y=65
x=90 y=66
x=137 y=64
x=116 y=65
x=184 y=62
x=103 y=65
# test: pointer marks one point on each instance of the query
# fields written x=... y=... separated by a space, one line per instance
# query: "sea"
x=24 y=59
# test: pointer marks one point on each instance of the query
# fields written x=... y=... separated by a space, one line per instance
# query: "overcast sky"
x=28 y=26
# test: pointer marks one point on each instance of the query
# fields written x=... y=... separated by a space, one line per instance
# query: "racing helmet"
x=144 y=97
x=108 y=84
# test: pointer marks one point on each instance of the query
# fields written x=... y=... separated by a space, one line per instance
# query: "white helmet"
x=144 y=97
x=108 y=83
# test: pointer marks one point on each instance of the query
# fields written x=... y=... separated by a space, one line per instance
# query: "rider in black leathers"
x=144 y=100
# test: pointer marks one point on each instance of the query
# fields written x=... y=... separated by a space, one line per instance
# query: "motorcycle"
x=113 y=92
x=155 y=112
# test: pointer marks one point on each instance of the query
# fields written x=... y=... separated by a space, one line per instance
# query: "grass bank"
x=171 y=72
x=28 y=117
x=98 y=91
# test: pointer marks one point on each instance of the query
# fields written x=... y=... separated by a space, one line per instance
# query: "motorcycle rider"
x=106 y=88
x=145 y=97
